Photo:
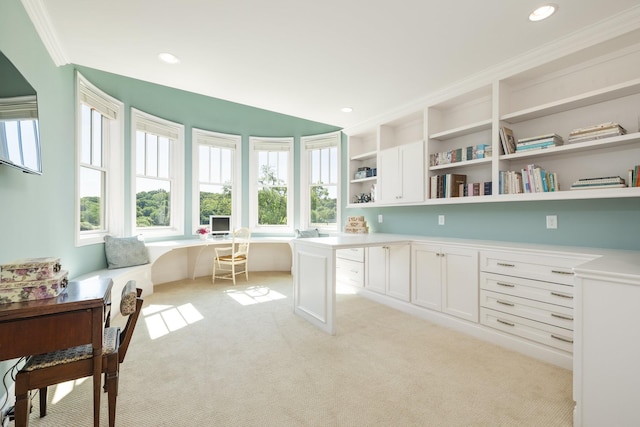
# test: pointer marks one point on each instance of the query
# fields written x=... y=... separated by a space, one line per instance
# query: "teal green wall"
x=607 y=223
x=37 y=212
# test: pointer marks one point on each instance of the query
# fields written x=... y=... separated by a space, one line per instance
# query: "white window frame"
x=216 y=139
x=283 y=144
x=308 y=143
x=175 y=132
x=113 y=161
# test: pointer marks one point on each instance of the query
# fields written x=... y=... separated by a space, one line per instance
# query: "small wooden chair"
x=229 y=257
x=56 y=367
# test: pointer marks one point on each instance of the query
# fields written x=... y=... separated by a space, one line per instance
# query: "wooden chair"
x=229 y=257
x=56 y=367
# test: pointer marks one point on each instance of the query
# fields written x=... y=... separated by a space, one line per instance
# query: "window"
x=158 y=168
x=320 y=181
x=271 y=172
x=216 y=177
x=99 y=178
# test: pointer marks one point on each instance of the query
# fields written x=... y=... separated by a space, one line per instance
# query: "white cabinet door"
x=460 y=282
x=376 y=267
x=399 y=277
x=388 y=270
x=426 y=279
x=389 y=180
x=412 y=172
x=401 y=174
x=445 y=279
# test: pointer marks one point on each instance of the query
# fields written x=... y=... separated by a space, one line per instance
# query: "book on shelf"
x=599 y=182
x=447 y=185
x=536 y=146
x=596 y=128
x=507 y=140
x=530 y=179
x=605 y=130
x=592 y=187
x=634 y=177
x=533 y=139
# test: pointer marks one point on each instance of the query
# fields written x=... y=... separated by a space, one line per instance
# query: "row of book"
x=456 y=185
x=474 y=152
x=634 y=176
x=604 y=130
x=530 y=179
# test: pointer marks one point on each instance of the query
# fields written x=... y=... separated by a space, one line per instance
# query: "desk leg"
x=314 y=286
x=97 y=332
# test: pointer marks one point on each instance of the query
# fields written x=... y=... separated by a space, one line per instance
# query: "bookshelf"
x=588 y=87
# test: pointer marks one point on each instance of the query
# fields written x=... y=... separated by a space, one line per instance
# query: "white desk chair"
x=229 y=257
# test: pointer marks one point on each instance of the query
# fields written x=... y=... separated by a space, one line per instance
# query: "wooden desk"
x=75 y=317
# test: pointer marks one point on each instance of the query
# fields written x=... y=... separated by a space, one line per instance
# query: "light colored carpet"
x=216 y=362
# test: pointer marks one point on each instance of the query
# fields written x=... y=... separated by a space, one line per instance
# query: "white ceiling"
x=309 y=59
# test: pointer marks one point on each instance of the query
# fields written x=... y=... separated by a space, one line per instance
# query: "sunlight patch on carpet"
x=163 y=319
x=63 y=389
x=254 y=295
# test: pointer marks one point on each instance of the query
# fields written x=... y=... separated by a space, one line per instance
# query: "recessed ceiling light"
x=346 y=109
x=543 y=12
x=168 y=58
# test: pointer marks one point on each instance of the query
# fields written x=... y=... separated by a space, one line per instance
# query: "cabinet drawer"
x=551 y=293
x=550 y=335
x=556 y=269
x=349 y=272
x=555 y=315
x=354 y=254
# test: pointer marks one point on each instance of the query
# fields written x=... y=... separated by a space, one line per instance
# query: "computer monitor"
x=220 y=224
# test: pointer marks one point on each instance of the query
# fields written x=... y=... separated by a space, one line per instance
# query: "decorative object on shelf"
x=203 y=232
x=508 y=140
x=31 y=279
x=356 y=225
x=362 y=198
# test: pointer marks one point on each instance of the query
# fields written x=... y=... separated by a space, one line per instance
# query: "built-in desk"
x=180 y=259
x=75 y=317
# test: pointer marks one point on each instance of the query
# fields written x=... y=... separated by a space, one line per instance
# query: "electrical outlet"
x=380 y=219
x=440 y=219
x=552 y=221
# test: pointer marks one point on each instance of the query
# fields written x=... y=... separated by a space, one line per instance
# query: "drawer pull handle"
x=354 y=271
x=560 y=316
x=510 y=304
x=568 y=273
x=569 y=340
x=504 y=322
x=504 y=264
x=558 y=294
x=508 y=285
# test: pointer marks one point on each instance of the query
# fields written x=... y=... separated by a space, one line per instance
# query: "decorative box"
x=32 y=290
x=29 y=269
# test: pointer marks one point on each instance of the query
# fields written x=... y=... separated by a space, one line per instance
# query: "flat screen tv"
x=220 y=224
x=19 y=133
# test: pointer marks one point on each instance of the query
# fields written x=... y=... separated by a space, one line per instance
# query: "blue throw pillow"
x=125 y=252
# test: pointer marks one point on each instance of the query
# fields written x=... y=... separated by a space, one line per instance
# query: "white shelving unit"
x=596 y=85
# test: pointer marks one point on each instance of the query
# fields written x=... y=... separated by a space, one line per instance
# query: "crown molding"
x=602 y=31
x=40 y=18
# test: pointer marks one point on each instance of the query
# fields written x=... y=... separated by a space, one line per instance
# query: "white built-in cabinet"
x=402 y=174
x=445 y=278
x=587 y=87
x=388 y=270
